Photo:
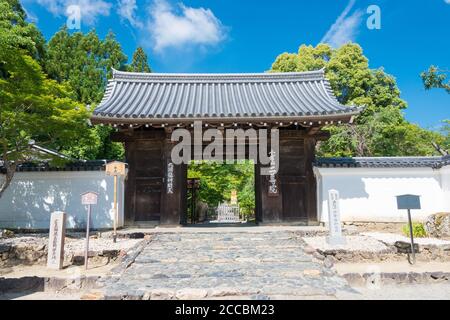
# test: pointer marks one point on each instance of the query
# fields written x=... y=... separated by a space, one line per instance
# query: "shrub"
x=418 y=230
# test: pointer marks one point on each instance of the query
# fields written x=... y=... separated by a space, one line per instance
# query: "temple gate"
x=147 y=108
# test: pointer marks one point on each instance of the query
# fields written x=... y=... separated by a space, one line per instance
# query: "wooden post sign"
x=55 y=256
x=115 y=169
x=88 y=199
x=334 y=219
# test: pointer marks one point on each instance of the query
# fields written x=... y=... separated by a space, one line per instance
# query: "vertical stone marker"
x=55 y=256
x=334 y=219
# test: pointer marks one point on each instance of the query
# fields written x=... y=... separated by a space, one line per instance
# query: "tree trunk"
x=10 y=171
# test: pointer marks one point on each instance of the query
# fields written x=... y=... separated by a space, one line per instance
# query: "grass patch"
x=418 y=230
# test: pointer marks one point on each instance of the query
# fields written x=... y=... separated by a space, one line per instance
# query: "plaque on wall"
x=170 y=178
x=273 y=186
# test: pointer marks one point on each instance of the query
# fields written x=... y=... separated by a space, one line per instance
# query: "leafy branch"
x=436 y=78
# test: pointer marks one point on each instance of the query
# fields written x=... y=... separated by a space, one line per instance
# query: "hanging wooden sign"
x=116 y=168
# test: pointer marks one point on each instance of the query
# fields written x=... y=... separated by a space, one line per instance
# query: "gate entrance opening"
x=220 y=193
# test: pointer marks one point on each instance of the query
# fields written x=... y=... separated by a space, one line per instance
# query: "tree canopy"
x=33 y=108
x=139 y=62
x=381 y=129
x=85 y=62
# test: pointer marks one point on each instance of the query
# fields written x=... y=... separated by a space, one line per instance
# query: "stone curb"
x=130 y=256
x=363 y=279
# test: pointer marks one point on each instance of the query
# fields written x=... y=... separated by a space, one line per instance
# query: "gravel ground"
x=99 y=244
x=390 y=239
x=438 y=291
x=354 y=243
x=74 y=245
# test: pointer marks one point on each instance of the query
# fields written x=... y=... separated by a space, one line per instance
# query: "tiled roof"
x=137 y=97
x=91 y=165
x=383 y=162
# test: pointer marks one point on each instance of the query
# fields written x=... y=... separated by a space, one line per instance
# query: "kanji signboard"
x=116 y=168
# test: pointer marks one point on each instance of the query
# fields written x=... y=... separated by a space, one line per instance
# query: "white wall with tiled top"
x=33 y=196
x=369 y=194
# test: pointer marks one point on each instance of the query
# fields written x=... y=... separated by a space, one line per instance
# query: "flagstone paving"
x=224 y=265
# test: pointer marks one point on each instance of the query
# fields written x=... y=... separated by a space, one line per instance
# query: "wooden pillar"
x=175 y=184
x=271 y=204
x=311 y=189
x=130 y=183
x=270 y=196
x=257 y=190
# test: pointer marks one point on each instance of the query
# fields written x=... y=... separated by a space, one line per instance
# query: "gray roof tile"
x=156 y=96
x=383 y=162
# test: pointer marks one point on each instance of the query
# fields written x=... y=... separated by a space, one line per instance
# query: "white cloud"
x=345 y=27
x=89 y=9
x=447 y=1
x=186 y=27
x=31 y=15
x=127 y=11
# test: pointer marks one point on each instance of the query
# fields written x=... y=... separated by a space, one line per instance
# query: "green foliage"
x=446 y=133
x=435 y=78
x=85 y=62
x=285 y=62
x=418 y=230
x=16 y=33
x=96 y=144
x=381 y=128
x=33 y=108
x=218 y=180
x=139 y=62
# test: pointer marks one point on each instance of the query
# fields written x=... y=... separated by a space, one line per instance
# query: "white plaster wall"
x=368 y=194
x=33 y=196
x=445 y=184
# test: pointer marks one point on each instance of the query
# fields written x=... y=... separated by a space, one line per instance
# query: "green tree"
x=435 y=78
x=19 y=33
x=85 y=62
x=381 y=128
x=139 y=62
x=217 y=180
x=33 y=109
x=446 y=133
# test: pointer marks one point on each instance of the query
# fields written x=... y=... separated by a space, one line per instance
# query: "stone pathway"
x=223 y=264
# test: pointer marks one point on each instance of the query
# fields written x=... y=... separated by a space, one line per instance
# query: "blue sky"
x=247 y=35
